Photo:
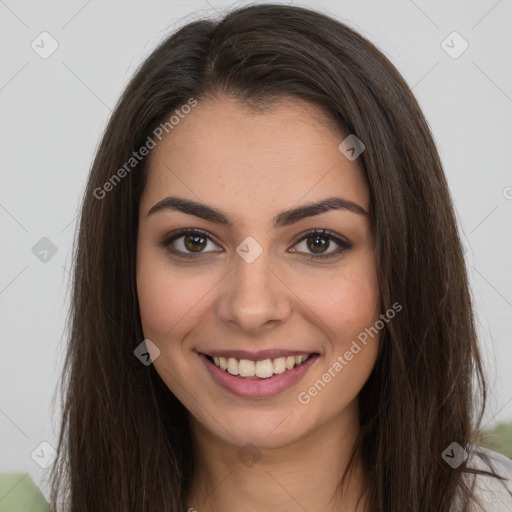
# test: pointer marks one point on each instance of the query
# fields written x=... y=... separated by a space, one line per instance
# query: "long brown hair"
x=125 y=443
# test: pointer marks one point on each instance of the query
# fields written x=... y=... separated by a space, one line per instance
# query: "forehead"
x=226 y=154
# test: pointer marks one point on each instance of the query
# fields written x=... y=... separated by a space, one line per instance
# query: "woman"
x=271 y=309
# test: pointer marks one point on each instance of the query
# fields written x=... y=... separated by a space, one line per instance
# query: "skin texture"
x=253 y=166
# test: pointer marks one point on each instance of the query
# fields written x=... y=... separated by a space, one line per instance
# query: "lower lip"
x=258 y=388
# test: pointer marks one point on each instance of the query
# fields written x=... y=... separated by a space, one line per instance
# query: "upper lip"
x=256 y=356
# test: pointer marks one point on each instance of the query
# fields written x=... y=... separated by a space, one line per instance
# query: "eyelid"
x=343 y=244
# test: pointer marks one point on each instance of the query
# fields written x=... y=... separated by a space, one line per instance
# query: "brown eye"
x=194 y=243
x=316 y=243
x=189 y=243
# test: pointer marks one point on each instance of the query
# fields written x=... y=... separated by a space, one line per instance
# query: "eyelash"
x=323 y=233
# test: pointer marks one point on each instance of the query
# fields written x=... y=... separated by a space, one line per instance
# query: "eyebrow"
x=285 y=218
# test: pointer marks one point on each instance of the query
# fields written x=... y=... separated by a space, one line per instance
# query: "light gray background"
x=54 y=111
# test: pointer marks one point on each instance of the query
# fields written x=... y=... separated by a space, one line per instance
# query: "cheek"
x=170 y=299
x=347 y=303
x=161 y=301
x=348 y=307
x=164 y=304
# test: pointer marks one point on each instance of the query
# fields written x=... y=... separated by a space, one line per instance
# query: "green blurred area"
x=19 y=493
x=498 y=439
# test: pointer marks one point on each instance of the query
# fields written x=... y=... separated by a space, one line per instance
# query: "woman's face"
x=253 y=289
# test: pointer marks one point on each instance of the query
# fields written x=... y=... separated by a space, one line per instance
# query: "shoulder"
x=494 y=494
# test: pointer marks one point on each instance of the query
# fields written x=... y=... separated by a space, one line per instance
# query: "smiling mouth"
x=263 y=369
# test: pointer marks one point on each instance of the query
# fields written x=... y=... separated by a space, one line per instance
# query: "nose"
x=254 y=297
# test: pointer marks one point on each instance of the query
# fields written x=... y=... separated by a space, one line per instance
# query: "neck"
x=303 y=475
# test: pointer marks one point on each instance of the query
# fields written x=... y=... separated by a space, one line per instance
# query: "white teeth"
x=246 y=368
x=301 y=359
x=279 y=365
x=262 y=369
x=233 y=366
